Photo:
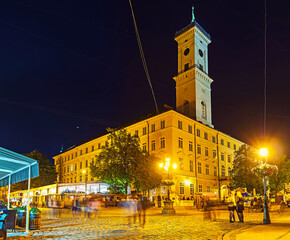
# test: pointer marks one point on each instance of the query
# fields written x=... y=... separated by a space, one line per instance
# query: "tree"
x=47 y=172
x=122 y=163
x=147 y=175
x=242 y=175
x=278 y=180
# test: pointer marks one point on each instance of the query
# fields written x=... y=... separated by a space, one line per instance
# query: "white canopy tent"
x=15 y=168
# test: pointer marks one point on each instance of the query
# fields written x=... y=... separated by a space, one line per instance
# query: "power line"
x=143 y=57
x=265 y=72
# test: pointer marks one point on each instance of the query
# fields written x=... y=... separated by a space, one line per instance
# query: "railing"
x=193 y=66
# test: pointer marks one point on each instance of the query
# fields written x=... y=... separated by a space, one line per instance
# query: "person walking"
x=159 y=200
x=141 y=208
x=240 y=209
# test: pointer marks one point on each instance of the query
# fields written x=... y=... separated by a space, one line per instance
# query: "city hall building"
x=204 y=155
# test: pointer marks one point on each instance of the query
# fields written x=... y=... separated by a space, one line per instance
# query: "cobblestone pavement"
x=113 y=224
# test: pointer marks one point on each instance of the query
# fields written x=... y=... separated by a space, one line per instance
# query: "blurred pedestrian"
x=159 y=201
x=141 y=208
x=240 y=209
x=75 y=207
x=131 y=211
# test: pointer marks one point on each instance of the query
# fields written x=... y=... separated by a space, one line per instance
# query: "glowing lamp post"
x=168 y=204
x=264 y=170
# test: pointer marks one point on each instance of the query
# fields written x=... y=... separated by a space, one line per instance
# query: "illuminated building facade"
x=204 y=155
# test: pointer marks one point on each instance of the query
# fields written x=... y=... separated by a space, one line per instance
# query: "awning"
x=16 y=166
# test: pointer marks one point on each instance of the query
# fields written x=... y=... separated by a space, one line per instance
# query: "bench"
x=3 y=228
x=10 y=219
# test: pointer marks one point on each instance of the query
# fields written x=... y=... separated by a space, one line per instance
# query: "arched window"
x=223 y=171
x=229 y=171
x=186 y=108
x=203 y=109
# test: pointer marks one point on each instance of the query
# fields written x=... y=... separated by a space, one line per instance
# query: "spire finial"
x=192 y=12
x=61 y=150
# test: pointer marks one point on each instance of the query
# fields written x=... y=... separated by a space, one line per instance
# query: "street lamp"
x=84 y=172
x=167 y=166
x=263 y=152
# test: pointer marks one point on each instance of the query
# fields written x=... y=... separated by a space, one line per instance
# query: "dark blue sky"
x=69 y=69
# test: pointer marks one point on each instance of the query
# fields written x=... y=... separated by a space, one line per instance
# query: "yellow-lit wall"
x=171 y=133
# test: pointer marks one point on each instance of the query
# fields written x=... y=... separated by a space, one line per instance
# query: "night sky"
x=70 y=69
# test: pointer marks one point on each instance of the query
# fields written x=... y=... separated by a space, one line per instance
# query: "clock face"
x=186 y=51
x=200 y=53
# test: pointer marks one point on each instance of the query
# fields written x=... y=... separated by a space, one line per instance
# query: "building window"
x=191 y=166
x=181 y=163
x=229 y=158
x=229 y=171
x=180 y=142
x=86 y=163
x=87 y=150
x=144 y=130
x=181 y=188
x=153 y=192
x=207 y=169
x=199 y=188
x=75 y=179
x=229 y=144
x=106 y=143
x=180 y=125
x=203 y=109
x=68 y=157
x=99 y=146
x=144 y=146
x=76 y=154
x=71 y=179
x=64 y=159
x=162 y=142
x=205 y=135
x=76 y=167
x=222 y=142
x=189 y=128
x=214 y=153
x=208 y=188
x=71 y=167
x=214 y=171
x=206 y=151
x=191 y=189
x=162 y=124
x=190 y=146
x=213 y=139
x=93 y=148
x=136 y=133
x=222 y=156
x=72 y=156
x=81 y=152
x=235 y=147
x=197 y=132
x=153 y=128
x=199 y=167
x=81 y=178
x=153 y=145
x=64 y=170
x=67 y=169
x=223 y=171
x=198 y=149
x=81 y=165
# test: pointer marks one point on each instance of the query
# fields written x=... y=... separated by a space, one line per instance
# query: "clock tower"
x=193 y=85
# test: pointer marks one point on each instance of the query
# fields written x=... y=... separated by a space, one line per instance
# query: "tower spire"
x=192 y=13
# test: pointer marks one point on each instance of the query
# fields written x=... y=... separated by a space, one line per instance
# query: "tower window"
x=186 y=66
x=203 y=108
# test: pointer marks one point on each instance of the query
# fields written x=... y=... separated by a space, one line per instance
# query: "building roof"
x=191 y=25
